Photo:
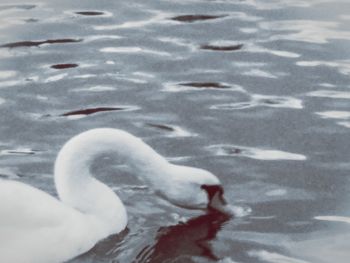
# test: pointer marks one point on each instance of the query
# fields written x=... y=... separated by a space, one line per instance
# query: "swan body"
x=36 y=227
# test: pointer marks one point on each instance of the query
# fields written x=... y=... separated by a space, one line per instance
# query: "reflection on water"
x=39 y=43
x=222 y=48
x=90 y=13
x=194 y=18
x=256 y=91
x=64 y=66
x=255 y=153
x=184 y=240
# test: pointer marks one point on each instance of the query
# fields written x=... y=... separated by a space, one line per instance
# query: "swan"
x=35 y=227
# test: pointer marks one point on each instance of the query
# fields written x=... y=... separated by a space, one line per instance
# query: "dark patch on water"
x=161 y=126
x=39 y=43
x=205 y=85
x=31 y=20
x=19 y=152
x=233 y=151
x=90 y=13
x=194 y=18
x=64 y=66
x=92 y=111
x=222 y=48
x=271 y=102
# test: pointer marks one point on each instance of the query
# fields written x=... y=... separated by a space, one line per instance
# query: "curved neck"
x=77 y=188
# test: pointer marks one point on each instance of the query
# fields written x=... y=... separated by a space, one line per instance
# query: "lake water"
x=256 y=91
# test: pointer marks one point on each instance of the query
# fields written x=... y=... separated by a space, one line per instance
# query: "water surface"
x=255 y=91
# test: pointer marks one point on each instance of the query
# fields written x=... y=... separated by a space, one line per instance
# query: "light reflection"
x=330 y=94
x=312 y=31
x=128 y=50
x=5 y=74
x=259 y=73
x=334 y=219
x=97 y=88
x=334 y=114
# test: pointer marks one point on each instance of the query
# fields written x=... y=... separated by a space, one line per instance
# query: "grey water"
x=255 y=91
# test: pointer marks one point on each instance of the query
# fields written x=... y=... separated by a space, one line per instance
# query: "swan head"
x=194 y=188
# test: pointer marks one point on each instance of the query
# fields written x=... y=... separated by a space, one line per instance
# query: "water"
x=255 y=91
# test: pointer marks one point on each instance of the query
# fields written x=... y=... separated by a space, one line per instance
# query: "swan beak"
x=219 y=204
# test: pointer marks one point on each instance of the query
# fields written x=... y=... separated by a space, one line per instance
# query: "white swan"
x=36 y=227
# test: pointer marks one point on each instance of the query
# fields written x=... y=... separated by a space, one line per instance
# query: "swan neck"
x=74 y=182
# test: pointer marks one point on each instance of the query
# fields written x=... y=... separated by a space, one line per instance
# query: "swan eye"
x=213 y=190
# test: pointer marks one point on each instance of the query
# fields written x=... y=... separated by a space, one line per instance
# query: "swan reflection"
x=184 y=240
x=176 y=243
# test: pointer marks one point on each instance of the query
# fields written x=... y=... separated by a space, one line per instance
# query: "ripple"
x=195 y=18
x=134 y=50
x=84 y=76
x=39 y=43
x=64 y=66
x=262 y=101
x=311 y=31
x=31 y=20
x=205 y=85
x=8 y=174
x=157 y=18
x=161 y=126
x=19 y=151
x=253 y=48
x=101 y=37
x=188 y=86
x=273 y=257
x=55 y=78
x=338 y=115
x=233 y=106
x=89 y=111
x=330 y=94
x=178 y=42
x=23 y=7
x=175 y=131
x=5 y=74
x=276 y=192
x=259 y=73
x=345 y=124
x=9 y=83
x=254 y=153
x=90 y=13
x=2 y=101
x=334 y=114
x=278 y=101
x=248 y=30
x=222 y=48
x=95 y=89
x=343 y=66
x=334 y=219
